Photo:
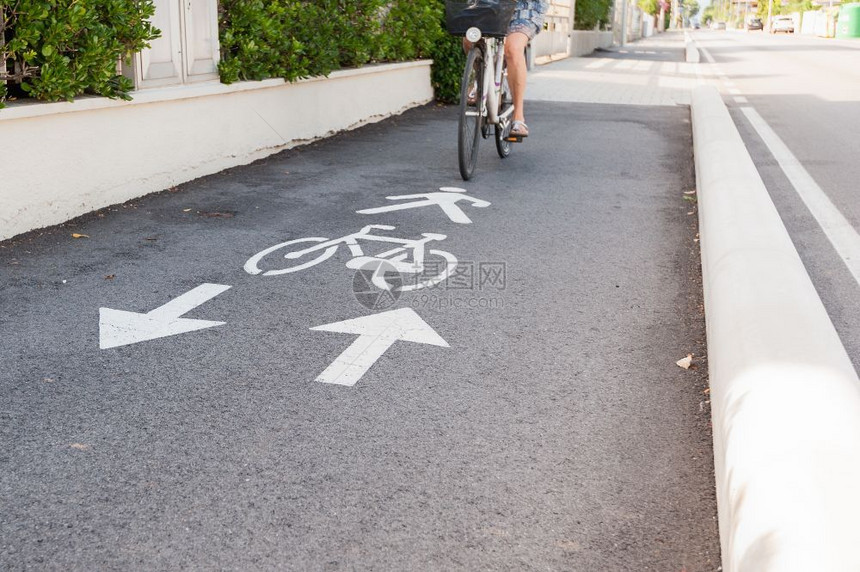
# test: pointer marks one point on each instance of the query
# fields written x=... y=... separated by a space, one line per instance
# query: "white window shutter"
x=162 y=63
x=187 y=50
x=201 y=39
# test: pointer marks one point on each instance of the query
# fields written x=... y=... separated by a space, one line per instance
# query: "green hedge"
x=591 y=14
x=57 y=50
x=293 y=39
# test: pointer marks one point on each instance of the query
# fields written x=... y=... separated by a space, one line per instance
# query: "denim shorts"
x=528 y=17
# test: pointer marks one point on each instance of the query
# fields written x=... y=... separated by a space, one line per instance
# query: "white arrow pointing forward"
x=121 y=328
x=376 y=334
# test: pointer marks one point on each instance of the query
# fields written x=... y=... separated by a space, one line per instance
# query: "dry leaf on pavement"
x=76 y=235
x=685 y=362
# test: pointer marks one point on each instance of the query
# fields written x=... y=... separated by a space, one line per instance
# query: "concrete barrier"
x=584 y=42
x=69 y=159
x=785 y=396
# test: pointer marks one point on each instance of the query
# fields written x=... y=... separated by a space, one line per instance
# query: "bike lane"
x=525 y=412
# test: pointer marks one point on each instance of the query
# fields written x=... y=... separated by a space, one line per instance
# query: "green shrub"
x=357 y=28
x=294 y=39
x=411 y=29
x=256 y=42
x=651 y=7
x=448 y=63
x=416 y=29
x=57 y=50
x=591 y=14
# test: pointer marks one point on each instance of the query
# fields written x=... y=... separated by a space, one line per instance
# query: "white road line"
x=839 y=231
x=741 y=99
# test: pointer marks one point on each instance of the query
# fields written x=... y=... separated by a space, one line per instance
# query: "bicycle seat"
x=434 y=236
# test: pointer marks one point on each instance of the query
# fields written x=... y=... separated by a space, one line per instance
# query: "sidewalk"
x=651 y=71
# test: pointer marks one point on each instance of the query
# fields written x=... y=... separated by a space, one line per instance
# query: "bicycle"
x=395 y=259
x=485 y=96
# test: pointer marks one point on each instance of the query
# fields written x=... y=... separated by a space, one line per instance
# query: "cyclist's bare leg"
x=515 y=47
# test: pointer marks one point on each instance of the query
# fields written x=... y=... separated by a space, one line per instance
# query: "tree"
x=650 y=6
x=787 y=8
x=690 y=8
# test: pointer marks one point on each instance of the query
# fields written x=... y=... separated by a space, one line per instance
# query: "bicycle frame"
x=396 y=258
x=494 y=60
x=351 y=240
x=485 y=65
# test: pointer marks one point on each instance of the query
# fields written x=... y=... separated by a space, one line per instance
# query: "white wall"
x=69 y=159
x=584 y=42
x=552 y=42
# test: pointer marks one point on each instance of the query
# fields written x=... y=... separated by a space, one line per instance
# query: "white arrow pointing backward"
x=376 y=334
x=120 y=328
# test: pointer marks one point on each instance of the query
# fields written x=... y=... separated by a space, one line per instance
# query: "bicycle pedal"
x=514 y=139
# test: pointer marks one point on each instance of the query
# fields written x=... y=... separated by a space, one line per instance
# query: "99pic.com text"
x=444 y=301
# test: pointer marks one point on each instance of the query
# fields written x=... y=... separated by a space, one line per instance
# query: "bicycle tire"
x=503 y=127
x=252 y=266
x=469 y=126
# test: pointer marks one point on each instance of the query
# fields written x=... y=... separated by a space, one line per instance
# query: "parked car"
x=718 y=25
x=754 y=24
x=782 y=24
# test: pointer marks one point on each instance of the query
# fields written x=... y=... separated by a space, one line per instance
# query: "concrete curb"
x=785 y=397
x=691 y=53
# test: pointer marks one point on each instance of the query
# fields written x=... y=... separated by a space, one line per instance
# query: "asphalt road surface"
x=555 y=430
x=806 y=91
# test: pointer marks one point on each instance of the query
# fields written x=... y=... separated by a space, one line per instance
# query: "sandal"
x=472 y=98
x=519 y=129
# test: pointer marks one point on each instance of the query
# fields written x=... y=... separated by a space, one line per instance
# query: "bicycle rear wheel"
x=471 y=102
x=503 y=127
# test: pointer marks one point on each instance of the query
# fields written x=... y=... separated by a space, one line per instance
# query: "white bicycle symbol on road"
x=396 y=259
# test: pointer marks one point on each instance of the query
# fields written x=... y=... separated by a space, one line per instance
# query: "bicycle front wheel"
x=471 y=103
x=253 y=264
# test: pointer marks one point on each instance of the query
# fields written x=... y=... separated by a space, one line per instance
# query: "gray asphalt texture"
x=556 y=432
